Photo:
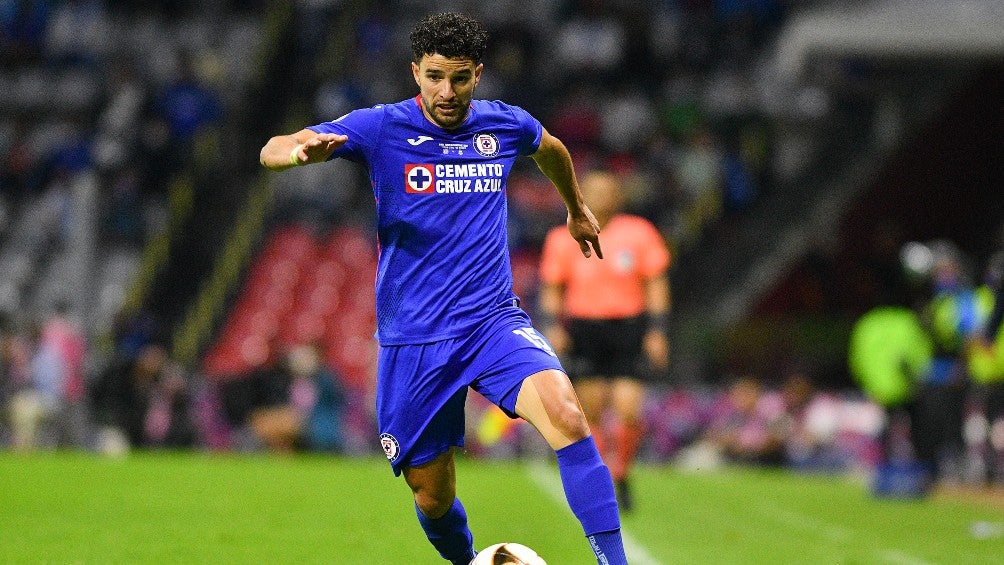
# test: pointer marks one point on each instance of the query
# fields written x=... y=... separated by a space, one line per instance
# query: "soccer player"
x=447 y=318
x=606 y=317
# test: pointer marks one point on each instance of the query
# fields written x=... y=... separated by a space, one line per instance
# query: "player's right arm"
x=301 y=148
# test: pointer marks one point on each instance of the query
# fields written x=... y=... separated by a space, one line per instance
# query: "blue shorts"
x=422 y=389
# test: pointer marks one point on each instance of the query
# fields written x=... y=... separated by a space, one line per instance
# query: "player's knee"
x=569 y=420
x=434 y=503
x=433 y=497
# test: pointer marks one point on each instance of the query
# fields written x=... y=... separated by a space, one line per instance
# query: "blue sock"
x=590 y=493
x=449 y=533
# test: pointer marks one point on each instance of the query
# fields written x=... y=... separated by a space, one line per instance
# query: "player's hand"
x=586 y=230
x=318 y=148
x=656 y=347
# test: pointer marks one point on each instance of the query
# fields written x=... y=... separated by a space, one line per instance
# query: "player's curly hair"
x=450 y=35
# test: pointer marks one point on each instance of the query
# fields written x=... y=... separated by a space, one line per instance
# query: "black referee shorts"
x=607 y=348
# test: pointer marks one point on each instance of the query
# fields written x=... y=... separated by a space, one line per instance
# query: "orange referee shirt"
x=609 y=288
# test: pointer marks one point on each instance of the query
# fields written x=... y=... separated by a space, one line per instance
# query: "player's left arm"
x=555 y=162
x=657 y=306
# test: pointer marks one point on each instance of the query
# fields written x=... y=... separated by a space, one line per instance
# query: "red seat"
x=302 y=290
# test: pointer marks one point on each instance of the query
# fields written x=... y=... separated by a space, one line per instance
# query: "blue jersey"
x=441 y=212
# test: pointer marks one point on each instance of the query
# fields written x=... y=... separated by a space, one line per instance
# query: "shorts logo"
x=391 y=447
x=486 y=144
x=419 y=179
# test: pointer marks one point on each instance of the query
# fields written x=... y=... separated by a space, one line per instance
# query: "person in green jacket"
x=889 y=355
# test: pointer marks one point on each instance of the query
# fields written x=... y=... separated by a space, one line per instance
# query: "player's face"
x=446 y=86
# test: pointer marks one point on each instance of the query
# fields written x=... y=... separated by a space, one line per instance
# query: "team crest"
x=419 y=179
x=391 y=447
x=486 y=144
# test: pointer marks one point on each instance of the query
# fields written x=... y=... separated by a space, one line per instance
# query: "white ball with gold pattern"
x=508 y=553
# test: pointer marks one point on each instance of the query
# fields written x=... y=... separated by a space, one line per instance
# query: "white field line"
x=833 y=532
x=549 y=481
x=804 y=522
x=899 y=558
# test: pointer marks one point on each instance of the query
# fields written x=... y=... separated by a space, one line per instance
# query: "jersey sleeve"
x=529 y=130
x=554 y=267
x=362 y=128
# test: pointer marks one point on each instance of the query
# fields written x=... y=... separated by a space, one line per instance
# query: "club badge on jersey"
x=486 y=144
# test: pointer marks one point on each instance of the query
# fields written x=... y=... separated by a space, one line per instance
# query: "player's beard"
x=446 y=121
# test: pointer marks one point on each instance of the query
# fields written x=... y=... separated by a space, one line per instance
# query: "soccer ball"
x=508 y=554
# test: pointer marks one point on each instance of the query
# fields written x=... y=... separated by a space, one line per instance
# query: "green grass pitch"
x=199 y=508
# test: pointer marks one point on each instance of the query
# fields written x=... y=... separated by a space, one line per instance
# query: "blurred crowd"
x=142 y=399
x=93 y=87
x=103 y=103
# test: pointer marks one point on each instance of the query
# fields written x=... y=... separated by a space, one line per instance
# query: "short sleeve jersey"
x=441 y=212
x=614 y=287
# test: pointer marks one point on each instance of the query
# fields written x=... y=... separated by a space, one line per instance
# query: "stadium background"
x=788 y=150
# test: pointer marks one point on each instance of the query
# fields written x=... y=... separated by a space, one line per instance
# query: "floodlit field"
x=196 y=508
